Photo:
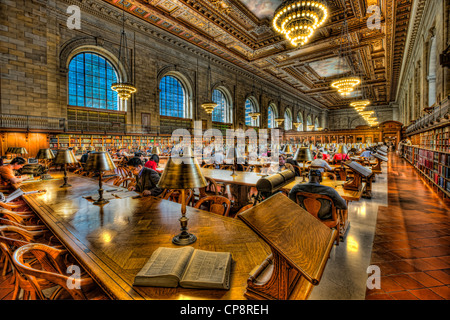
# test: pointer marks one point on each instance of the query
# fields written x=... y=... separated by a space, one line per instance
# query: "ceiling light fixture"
x=299 y=19
x=209 y=105
x=124 y=89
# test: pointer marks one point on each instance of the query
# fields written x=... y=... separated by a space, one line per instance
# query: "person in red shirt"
x=340 y=157
x=153 y=163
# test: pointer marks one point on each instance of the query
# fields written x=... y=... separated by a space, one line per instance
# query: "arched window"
x=287 y=120
x=221 y=113
x=316 y=124
x=308 y=123
x=432 y=73
x=90 y=79
x=250 y=106
x=172 y=98
x=300 y=120
x=271 y=115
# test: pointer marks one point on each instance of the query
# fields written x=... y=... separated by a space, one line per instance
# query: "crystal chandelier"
x=124 y=89
x=298 y=19
x=209 y=105
x=346 y=86
x=361 y=104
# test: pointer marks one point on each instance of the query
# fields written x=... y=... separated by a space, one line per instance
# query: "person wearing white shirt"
x=366 y=154
x=319 y=162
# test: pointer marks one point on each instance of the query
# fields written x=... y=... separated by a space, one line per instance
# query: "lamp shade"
x=21 y=151
x=288 y=149
x=182 y=173
x=303 y=154
x=342 y=149
x=65 y=156
x=45 y=154
x=99 y=161
x=156 y=150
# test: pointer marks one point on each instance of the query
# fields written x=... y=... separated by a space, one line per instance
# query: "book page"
x=165 y=267
x=125 y=194
x=208 y=269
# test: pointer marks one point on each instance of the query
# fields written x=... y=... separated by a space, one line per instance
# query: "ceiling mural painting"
x=241 y=32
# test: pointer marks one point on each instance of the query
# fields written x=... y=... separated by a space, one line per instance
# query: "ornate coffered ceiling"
x=240 y=31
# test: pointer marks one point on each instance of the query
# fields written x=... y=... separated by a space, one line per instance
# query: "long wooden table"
x=114 y=242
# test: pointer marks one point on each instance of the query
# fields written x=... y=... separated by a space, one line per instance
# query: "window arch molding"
x=431 y=71
x=186 y=84
x=255 y=108
x=104 y=53
x=229 y=118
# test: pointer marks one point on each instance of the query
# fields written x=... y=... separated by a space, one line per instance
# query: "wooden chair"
x=312 y=205
x=175 y=195
x=124 y=172
x=51 y=269
x=113 y=180
x=212 y=188
x=25 y=218
x=209 y=166
x=330 y=175
x=244 y=208
x=298 y=168
x=217 y=204
x=126 y=182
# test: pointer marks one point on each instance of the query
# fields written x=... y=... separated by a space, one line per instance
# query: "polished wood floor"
x=411 y=244
x=412 y=238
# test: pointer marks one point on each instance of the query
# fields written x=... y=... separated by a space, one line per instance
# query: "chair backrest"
x=52 y=269
x=217 y=204
x=330 y=175
x=290 y=167
x=124 y=172
x=313 y=205
x=126 y=182
x=175 y=195
x=244 y=208
x=16 y=236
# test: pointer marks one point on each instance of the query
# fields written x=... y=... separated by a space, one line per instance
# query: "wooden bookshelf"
x=432 y=164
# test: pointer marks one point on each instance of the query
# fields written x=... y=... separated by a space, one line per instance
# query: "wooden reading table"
x=113 y=242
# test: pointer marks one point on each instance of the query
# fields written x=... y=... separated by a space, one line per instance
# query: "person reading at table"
x=152 y=163
x=146 y=179
x=7 y=176
x=366 y=154
x=340 y=157
x=314 y=186
x=320 y=162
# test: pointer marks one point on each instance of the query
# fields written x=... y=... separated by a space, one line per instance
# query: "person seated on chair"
x=366 y=154
x=291 y=160
x=146 y=179
x=7 y=176
x=152 y=163
x=340 y=157
x=84 y=157
x=320 y=162
x=314 y=186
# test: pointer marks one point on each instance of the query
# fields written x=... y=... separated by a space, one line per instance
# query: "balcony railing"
x=438 y=114
x=12 y=121
x=46 y=124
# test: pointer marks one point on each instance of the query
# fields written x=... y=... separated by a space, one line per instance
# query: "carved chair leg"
x=16 y=291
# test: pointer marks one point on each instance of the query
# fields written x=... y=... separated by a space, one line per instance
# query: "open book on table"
x=187 y=267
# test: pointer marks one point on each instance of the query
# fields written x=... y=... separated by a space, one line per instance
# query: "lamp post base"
x=101 y=201
x=184 y=239
x=65 y=185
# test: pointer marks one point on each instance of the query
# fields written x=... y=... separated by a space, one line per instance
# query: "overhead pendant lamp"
x=124 y=89
x=299 y=19
x=346 y=85
x=209 y=105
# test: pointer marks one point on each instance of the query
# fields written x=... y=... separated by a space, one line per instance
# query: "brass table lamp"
x=233 y=154
x=288 y=149
x=303 y=155
x=182 y=173
x=45 y=154
x=21 y=151
x=65 y=157
x=157 y=151
x=99 y=162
